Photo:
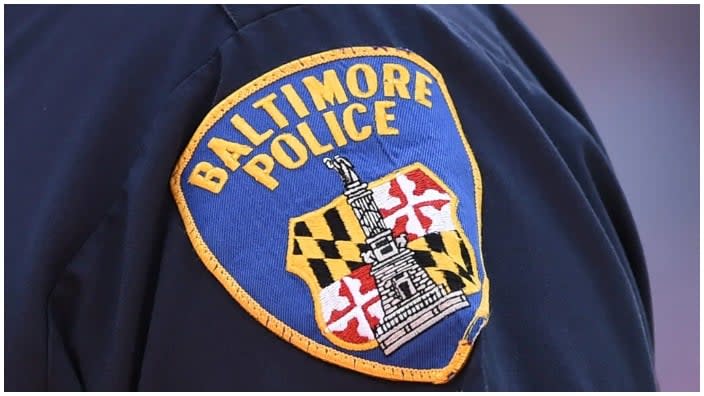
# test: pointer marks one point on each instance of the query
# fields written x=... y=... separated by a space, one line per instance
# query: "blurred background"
x=636 y=70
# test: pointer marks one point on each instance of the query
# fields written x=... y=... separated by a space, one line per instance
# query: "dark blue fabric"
x=103 y=289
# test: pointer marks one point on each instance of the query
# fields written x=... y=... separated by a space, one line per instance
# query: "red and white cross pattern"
x=414 y=204
x=352 y=307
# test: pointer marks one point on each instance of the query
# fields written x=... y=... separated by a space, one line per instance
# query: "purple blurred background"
x=636 y=70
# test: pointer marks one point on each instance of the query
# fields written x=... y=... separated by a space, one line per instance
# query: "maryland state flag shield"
x=337 y=199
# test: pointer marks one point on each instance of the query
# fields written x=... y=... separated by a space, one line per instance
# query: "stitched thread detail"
x=328 y=354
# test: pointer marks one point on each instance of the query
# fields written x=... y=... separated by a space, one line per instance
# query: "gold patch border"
x=331 y=355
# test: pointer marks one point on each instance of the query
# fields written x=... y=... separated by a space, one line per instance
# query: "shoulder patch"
x=338 y=201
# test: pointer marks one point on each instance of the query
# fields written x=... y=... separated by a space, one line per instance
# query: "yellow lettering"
x=250 y=133
x=396 y=78
x=350 y=127
x=422 y=93
x=282 y=157
x=329 y=91
x=296 y=102
x=311 y=141
x=260 y=167
x=335 y=129
x=229 y=152
x=382 y=117
x=208 y=177
x=369 y=77
x=267 y=103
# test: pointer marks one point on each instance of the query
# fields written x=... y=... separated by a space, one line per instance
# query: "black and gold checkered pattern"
x=446 y=258
x=327 y=244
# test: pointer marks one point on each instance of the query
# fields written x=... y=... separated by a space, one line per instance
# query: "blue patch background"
x=246 y=224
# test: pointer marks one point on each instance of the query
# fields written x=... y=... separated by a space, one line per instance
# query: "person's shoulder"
x=134 y=34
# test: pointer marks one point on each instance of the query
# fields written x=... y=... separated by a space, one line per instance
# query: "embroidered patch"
x=338 y=201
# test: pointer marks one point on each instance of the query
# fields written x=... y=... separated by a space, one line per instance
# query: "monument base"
x=414 y=324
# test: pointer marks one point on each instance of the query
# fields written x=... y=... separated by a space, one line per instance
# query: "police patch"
x=338 y=201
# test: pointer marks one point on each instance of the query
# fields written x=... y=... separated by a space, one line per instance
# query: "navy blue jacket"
x=104 y=291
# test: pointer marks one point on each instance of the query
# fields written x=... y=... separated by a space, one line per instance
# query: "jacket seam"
x=240 y=26
x=109 y=207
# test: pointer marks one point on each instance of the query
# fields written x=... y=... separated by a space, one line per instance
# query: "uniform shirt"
x=104 y=290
